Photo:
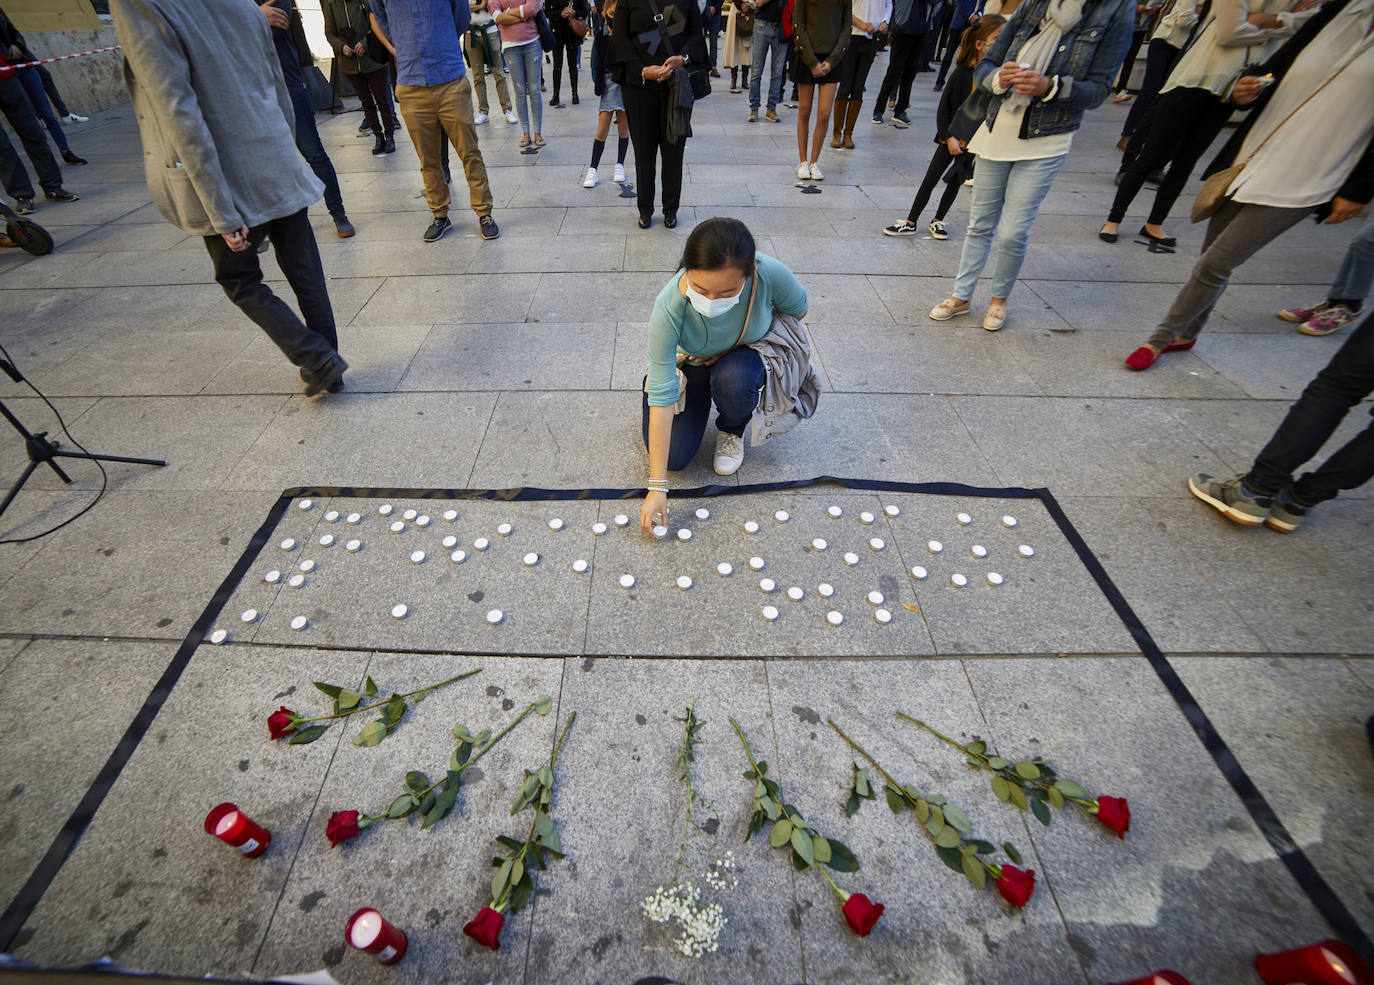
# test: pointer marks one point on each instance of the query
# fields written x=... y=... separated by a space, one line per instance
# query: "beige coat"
x=736 y=50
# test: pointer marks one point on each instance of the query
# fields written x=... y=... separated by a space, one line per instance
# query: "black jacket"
x=1359 y=186
x=562 y=30
x=635 y=42
x=957 y=89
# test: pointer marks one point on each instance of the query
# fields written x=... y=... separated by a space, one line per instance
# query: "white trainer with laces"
x=620 y=174
x=803 y=172
x=75 y=118
x=816 y=173
x=938 y=230
x=480 y=118
x=591 y=179
x=511 y=117
x=729 y=453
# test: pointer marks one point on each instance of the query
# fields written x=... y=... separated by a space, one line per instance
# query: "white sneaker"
x=803 y=172
x=729 y=453
x=511 y=117
x=938 y=231
x=620 y=174
x=591 y=179
x=480 y=118
x=816 y=173
x=75 y=118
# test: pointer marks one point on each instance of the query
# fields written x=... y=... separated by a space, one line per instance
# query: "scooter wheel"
x=29 y=237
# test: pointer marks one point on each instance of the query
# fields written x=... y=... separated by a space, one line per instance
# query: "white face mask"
x=712 y=307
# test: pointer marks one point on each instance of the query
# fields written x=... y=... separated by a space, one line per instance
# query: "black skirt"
x=801 y=72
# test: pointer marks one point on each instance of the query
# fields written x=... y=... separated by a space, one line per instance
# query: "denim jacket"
x=1087 y=61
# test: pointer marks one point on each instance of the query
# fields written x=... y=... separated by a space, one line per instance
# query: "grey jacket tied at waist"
x=793 y=389
x=219 y=150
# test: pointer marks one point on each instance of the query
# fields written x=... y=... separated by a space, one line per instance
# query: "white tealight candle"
x=882 y=616
x=750 y=527
x=299 y=623
x=770 y=613
x=307 y=566
x=724 y=570
x=384 y=509
x=249 y=615
x=877 y=544
x=422 y=521
x=703 y=513
x=494 y=616
x=866 y=517
x=683 y=582
x=289 y=544
x=417 y=557
x=835 y=511
x=218 y=636
x=450 y=515
x=919 y=573
x=225 y=824
x=958 y=581
x=332 y=516
x=621 y=519
x=850 y=558
x=834 y=618
x=994 y=578
x=934 y=546
x=892 y=510
x=684 y=535
x=352 y=546
x=458 y=557
x=480 y=544
x=1008 y=521
x=449 y=542
x=580 y=566
x=531 y=559
x=410 y=514
x=598 y=528
x=795 y=593
x=365 y=930
x=504 y=529
x=1025 y=550
x=398 y=611
x=978 y=551
x=354 y=519
x=660 y=531
x=781 y=516
x=756 y=563
x=819 y=545
x=306 y=504
x=397 y=526
x=296 y=581
x=875 y=598
x=768 y=586
x=963 y=519
x=627 y=581
x=272 y=577
x=327 y=540
x=825 y=590
x=555 y=524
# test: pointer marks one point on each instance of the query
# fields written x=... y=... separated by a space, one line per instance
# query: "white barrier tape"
x=62 y=58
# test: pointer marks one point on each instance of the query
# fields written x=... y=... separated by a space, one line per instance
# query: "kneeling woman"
x=722 y=298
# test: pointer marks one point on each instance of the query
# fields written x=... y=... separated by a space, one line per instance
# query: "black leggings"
x=572 y=46
x=939 y=164
x=858 y=59
x=645 y=109
x=1185 y=122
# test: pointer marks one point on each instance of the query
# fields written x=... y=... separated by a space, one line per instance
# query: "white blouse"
x=1312 y=151
x=1228 y=42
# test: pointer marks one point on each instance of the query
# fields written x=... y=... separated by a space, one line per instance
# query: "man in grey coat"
x=221 y=162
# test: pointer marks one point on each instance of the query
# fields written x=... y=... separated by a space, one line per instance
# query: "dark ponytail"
x=717 y=243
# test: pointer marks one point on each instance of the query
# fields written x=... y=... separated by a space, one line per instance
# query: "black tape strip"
x=42 y=876
x=1317 y=889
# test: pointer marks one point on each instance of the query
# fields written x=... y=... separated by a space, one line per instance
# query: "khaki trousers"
x=430 y=112
x=476 y=57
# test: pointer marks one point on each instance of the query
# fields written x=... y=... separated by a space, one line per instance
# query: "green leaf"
x=330 y=689
x=978 y=748
x=348 y=700
x=851 y=806
x=395 y=710
x=483 y=737
x=510 y=843
x=546 y=776
x=534 y=858
x=307 y=735
x=543 y=824
x=781 y=834
x=370 y=686
x=922 y=810
x=372 y=734
x=801 y=845
x=1001 y=788
x=982 y=847
x=440 y=808
x=520 y=895
x=763 y=767
x=1056 y=798
x=760 y=790
x=543 y=705
x=771 y=808
x=957 y=818
x=517 y=870
x=460 y=732
x=1028 y=770
x=976 y=764
x=936 y=822
x=895 y=802
x=454 y=778
x=552 y=842
x=464 y=752
x=1070 y=789
x=863 y=785
x=820 y=849
x=416 y=781
x=841 y=858
x=750 y=775
x=401 y=806
x=1012 y=853
x=952 y=857
x=427 y=803
x=998 y=763
x=935 y=799
x=975 y=872
x=756 y=822
x=501 y=881
x=948 y=838
x=1041 y=811
x=1018 y=797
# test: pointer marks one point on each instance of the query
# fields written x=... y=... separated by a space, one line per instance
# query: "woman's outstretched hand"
x=654 y=512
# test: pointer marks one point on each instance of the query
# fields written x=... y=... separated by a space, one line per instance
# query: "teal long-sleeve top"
x=675 y=326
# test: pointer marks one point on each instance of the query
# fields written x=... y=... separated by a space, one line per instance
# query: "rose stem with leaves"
x=686 y=756
x=382 y=704
x=486 y=748
x=499 y=905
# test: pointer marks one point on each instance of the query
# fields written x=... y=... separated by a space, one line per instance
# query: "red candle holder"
x=368 y=932
x=1325 y=963
x=233 y=827
x=1162 y=977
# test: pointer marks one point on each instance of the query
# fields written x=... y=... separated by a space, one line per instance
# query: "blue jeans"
x=769 y=43
x=713 y=34
x=1006 y=197
x=309 y=144
x=33 y=88
x=732 y=383
x=1355 y=278
x=525 y=63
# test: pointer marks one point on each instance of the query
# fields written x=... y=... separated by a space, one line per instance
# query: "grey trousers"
x=1234 y=234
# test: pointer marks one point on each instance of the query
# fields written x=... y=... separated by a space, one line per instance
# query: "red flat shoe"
x=1142 y=358
x=1180 y=346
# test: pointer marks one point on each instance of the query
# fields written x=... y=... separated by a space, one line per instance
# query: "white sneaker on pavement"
x=480 y=118
x=620 y=174
x=511 y=117
x=75 y=118
x=591 y=179
x=729 y=453
x=816 y=174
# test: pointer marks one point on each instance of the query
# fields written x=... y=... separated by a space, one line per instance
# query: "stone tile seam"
x=792 y=872
x=410 y=363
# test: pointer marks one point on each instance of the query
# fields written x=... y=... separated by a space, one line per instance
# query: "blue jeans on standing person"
x=713 y=33
x=524 y=64
x=769 y=43
x=312 y=149
x=1006 y=197
x=732 y=383
x=1355 y=278
x=33 y=88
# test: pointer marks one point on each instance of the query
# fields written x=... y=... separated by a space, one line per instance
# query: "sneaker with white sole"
x=729 y=453
x=1229 y=498
x=591 y=179
x=1300 y=315
x=75 y=118
x=511 y=117
x=816 y=174
x=937 y=230
x=950 y=308
x=803 y=172
x=480 y=118
x=995 y=318
x=1285 y=515
x=619 y=178
x=903 y=228
x=1333 y=319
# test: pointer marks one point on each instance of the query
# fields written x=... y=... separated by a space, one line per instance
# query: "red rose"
x=1115 y=814
x=485 y=928
x=342 y=826
x=861 y=913
x=1016 y=886
x=280 y=723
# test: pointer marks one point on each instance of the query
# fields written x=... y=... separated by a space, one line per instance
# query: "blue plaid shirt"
x=428 y=38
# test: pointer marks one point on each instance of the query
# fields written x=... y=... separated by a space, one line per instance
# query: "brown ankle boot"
x=851 y=117
x=838 y=115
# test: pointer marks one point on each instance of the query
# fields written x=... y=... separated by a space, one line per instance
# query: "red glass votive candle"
x=1326 y=963
x=1163 y=977
x=230 y=825
x=368 y=932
